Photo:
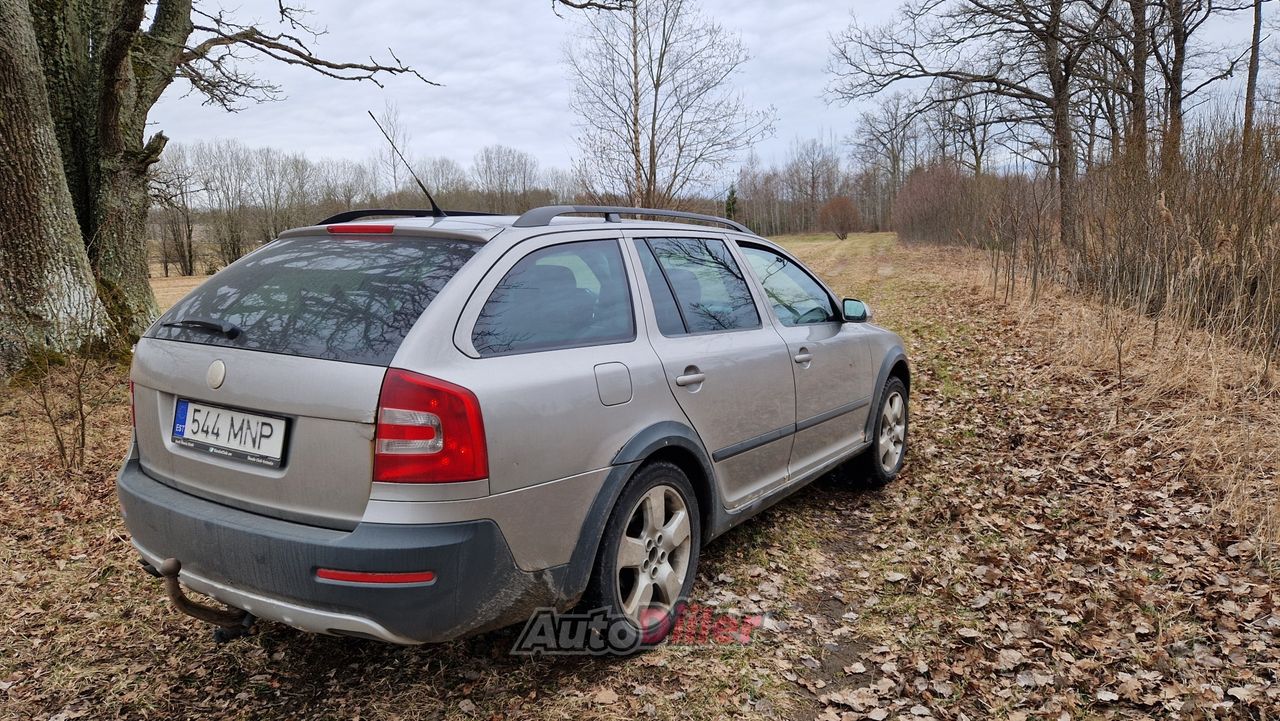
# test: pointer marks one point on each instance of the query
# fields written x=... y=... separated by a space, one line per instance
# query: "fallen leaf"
x=606 y=696
x=1009 y=659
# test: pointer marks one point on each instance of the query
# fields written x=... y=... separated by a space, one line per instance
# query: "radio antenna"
x=435 y=209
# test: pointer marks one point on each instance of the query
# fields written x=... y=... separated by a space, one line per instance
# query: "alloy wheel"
x=893 y=431
x=653 y=554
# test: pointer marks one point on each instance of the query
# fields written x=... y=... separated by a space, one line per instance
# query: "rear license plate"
x=230 y=433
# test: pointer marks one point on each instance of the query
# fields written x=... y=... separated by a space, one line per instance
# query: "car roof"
x=485 y=227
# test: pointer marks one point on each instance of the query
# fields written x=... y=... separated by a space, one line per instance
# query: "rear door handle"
x=803 y=356
x=690 y=379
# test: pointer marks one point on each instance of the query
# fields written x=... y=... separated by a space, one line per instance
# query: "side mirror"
x=855 y=311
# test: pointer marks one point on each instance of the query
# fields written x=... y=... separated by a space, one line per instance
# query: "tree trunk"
x=1171 y=147
x=1251 y=86
x=1068 y=186
x=102 y=74
x=637 y=190
x=47 y=294
x=188 y=249
x=118 y=248
x=1063 y=140
x=133 y=68
x=1136 y=140
x=64 y=31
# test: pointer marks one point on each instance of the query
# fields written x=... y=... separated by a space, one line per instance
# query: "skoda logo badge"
x=217 y=374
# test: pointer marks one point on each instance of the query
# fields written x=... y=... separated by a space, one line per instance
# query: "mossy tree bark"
x=47 y=293
x=103 y=73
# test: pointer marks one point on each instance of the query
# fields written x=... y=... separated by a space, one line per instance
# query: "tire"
x=651 y=559
x=881 y=463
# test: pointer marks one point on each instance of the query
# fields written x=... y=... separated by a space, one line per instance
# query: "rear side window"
x=346 y=299
x=710 y=291
x=561 y=296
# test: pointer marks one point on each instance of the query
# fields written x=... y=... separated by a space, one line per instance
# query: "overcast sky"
x=504 y=79
x=500 y=62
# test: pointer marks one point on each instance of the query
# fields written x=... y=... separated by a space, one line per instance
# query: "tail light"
x=428 y=431
x=133 y=407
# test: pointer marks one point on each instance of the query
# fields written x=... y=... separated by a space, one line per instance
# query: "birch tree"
x=658 y=114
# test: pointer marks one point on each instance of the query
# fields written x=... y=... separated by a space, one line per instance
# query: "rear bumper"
x=267 y=566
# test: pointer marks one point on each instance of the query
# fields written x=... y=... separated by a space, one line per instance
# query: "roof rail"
x=351 y=215
x=539 y=217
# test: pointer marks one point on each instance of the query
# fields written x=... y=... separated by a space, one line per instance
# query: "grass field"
x=170 y=290
x=1042 y=556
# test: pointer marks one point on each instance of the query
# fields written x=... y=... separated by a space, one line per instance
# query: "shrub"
x=839 y=216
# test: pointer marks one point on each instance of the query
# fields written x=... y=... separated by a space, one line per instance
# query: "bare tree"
x=81 y=78
x=759 y=192
x=176 y=188
x=227 y=167
x=392 y=169
x=1175 y=52
x=564 y=185
x=1114 y=71
x=885 y=140
x=976 y=120
x=811 y=176
x=1251 y=83
x=445 y=177
x=1027 y=52
x=280 y=189
x=653 y=93
x=506 y=176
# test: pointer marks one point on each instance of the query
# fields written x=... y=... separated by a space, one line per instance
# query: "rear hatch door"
x=259 y=390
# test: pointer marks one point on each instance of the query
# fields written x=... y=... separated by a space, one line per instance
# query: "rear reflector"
x=429 y=431
x=330 y=574
x=361 y=228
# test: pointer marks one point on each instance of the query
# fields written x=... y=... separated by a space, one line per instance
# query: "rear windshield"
x=344 y=299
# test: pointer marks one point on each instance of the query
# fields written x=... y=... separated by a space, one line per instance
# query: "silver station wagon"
x=413 y=426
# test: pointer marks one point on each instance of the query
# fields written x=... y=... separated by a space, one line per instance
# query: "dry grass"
x=170 y=290
x=1213 y=407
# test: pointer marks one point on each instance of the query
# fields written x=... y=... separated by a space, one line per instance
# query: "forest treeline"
x=215 y=201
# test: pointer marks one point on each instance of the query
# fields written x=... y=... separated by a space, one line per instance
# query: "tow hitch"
x=231 y=622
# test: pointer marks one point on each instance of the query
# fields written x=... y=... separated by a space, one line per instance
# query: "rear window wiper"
x=230 y=331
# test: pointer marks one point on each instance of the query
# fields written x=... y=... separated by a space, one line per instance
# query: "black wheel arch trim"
x=574 y=576
x=891 y=359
